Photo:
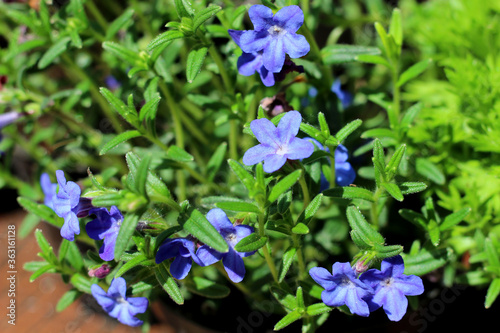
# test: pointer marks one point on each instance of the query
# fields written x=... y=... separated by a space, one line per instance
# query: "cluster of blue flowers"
x=274 y=36
x=374 y=289
x=185 y=252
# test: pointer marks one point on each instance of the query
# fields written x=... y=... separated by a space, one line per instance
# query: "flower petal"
x=236 y=35
x=289 y=18
x=341 y=154
x=273 y=56
x=344 y=174
x=70 y=227
x=180 y=267
x=274 y=162
x=266 y=76
x=355 y=302
x=168 y=249
x=265 y=132
x=118 y=287
x=137 y=304
x=234 y=266
x=207 y=256
x=335 y=297
x=299 y=149
x=249 y=63
x=254 y=41
x=295 y=45
x=107 y=250
x=261 y=17
x=102 y=297
x=410 y=285
x=393 y=301
x=323 y=277
x=289 y=126
x=125 y=317
x=218 y=218
x=257 y=154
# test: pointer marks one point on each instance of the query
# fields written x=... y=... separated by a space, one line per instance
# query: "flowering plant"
x=230 y=152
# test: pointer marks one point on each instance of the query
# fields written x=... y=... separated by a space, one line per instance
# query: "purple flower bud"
x=100 y=272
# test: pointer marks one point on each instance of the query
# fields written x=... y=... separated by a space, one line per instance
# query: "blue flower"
x=105 y=226
x=183 y=250
x=232 y=260
x=277 y=144
x=112 y=83
x=118 y=305
x=8 y=118
x=275 y=35
x=344 y=96
x=390 y=286
x=69 y=205
x=342 y=287
x=344 y=172
x=49 y=190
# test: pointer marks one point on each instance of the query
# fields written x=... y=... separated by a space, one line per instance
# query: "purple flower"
x=49 y=190
x=344 y=172
x=105 y=226
x=344 y=97
x=390 y=287
x=275 y=35
x=118 y=305
x=249 y=63
x=277 y=144
x=183 y=250
x=69 y=205
x=8 y=118
x=232 y=260
x=342 y=287
x=112 y=83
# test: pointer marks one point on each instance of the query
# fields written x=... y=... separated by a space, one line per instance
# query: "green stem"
x=374 y=208
x=267 y=256
x=396 y=101
x=315 y=53
x=96 y=13
x=300 y=256
x=332 y=169
x=305 y=190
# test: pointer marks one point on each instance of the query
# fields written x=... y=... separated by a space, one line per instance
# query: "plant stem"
x=96 y=13
x=395 y=110
x=267 y=256
x=305 y=190
x=332 y=170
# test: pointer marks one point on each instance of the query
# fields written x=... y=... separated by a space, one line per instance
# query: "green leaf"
x=313 y=132
x=307 y=215
x=120 y=22
x=361 y=228
x=204 y=15
x=168 y=283
x=183 y=8
x=120 y=107
x=42 y=270
x=154 y=185
x=323 y=124
x=492 y=293
x=410 y=114
x=288 y=258
x=45 y=247
x=107 y=200
x=434 y=234
x=284 y=298
x=53 y=52
x=122 y=52
x=81 y=283
x=396 y=27
x=287 y=320
x=206 y=288
x=198 y=226
x=127 y=229
x=300 y=229
x=393 y=165
x=120 y=138
x=142 y=174
x=317 y=309
x=413 y=217
x=425 y=261
x=178 y=154
x=283 y=185
x=393 y=190
x=350 y=192
x=284 y=202
x=383 y=252
x=429 y=170
x=378 y=133
x=67 y=299
x=215 y=161
x=72 y=255
x=491 y=253
x=252 y=242
x=194 y=62
x=454 y=219
x=385 y=39
x=164 y=38
x=373 y=59
x=413 y=72
x=148 y=111
x=412 y=187
x=42 y=211
x=238 y=206
x=340 y=53
x=345 y=131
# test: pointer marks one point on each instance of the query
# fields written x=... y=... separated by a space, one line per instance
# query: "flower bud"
x=100 y=272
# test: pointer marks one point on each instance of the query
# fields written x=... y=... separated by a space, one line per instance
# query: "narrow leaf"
x=393 y=190
x=238 y=206
x=67 y=299
x=215 y=161
x=168 y=283
x=359 y=225
x=204 y=15
x=283 y=185
x=288 y=258
x=120 y=138
x=198 y=226
x=349 y=192
x=125 y=234
x=454 y=219
x=429 y=170
x=164 y=38
x=287 y=320
x=492 y=293
x=206 y=288
x=345 y=131
x=119 y=23
x=341 y=53
x=194 y=62
x=53 y=52
x=251 y=243
x=413 y=72
x=81 y=283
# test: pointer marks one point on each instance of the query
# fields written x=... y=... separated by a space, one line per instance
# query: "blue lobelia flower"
x=390 y=286
x=277 y=144
x=183 y=250
x=69 y=205
x=275 y=35
x=342 y=287
x=49 y=190
x=232 y=260
x=8 y=118
x=118 y=305
x=105 y=226
x=344 y=172
x=344 y=96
